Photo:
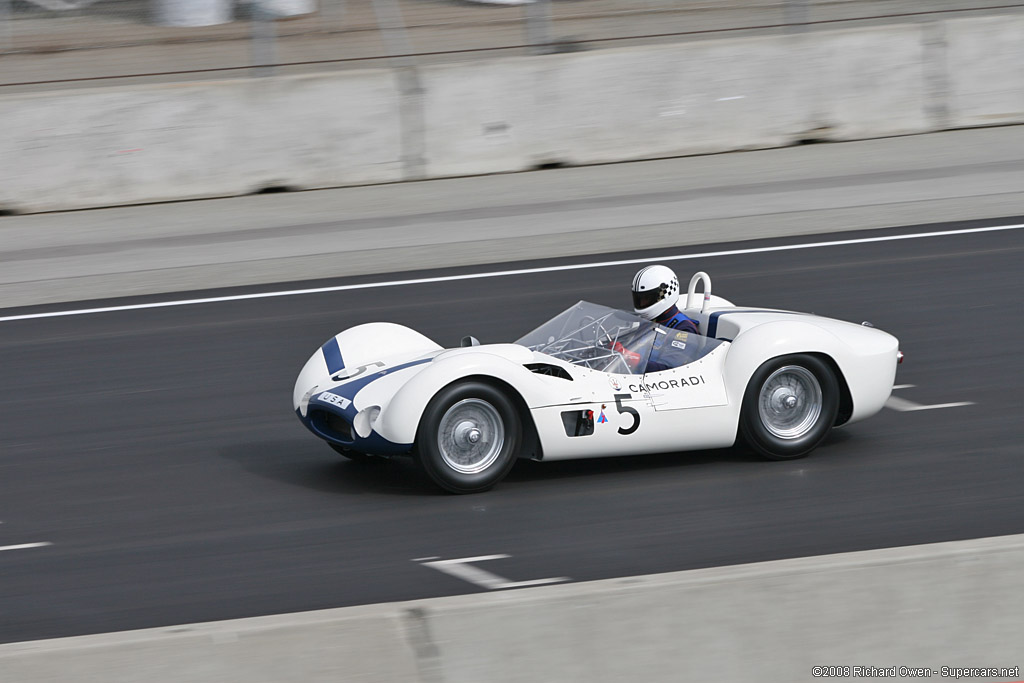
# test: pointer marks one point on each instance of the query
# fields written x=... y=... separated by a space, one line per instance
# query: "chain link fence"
x=47 y=42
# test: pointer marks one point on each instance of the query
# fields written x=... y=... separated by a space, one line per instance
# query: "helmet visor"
x=642 y=300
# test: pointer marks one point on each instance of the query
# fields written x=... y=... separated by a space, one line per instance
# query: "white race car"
x=595 y=381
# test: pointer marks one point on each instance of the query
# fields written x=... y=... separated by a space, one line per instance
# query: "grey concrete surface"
x=944 y=605
x=641 y=102
x=986 y=81
x=164 y=142
x=386 y=228
x=149 y=143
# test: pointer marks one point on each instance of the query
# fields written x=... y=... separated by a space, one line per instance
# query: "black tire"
x=445 y=448
x=354 y=456
x=778 y=418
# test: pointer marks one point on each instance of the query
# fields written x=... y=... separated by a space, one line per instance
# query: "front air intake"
x=331 y=426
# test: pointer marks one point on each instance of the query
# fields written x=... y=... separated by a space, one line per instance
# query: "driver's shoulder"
x=681 y=321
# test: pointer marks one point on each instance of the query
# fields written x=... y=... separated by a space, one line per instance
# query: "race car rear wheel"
x=468 y=437
x=789 y=406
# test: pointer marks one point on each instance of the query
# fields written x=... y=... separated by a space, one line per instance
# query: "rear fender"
x=770 y=340
x=864 y=357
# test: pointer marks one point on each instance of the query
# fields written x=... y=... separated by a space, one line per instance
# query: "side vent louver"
x=549 y=370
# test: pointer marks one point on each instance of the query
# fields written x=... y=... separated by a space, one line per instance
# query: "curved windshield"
x=596 y=337
x=611 y=340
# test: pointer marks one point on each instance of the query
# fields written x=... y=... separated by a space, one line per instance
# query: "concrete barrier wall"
x=985 y=57
x=101 y=147
x=146 y=143
x=690 y=98
x=952 y=604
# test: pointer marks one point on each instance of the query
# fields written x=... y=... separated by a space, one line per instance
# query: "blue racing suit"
x=677 y=320
x=670 y=350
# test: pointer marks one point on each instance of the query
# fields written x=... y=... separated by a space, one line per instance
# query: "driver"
x=655 y=293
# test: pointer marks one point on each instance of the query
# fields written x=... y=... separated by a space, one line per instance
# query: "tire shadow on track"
x=737 y=457
x=532 y=470
x=315 y=467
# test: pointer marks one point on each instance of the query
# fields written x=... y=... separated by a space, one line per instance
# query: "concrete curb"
x=954 y=604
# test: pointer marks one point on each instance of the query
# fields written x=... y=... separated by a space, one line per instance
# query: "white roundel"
x=655 y=290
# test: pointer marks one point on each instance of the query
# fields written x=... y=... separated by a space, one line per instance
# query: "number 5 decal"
x=627 y=409
x=344 y=375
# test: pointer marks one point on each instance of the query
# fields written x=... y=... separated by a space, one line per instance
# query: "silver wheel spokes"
x=790 y=402
x=470 y=436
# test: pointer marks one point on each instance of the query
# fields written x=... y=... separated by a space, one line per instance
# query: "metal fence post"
x=392 y=28
x=263 y=36
x=336 y=11
x=796 y=15
x=411 y=103
x=538 y=26
x=6 y=42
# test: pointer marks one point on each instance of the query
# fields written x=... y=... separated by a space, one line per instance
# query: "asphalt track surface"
x=157 y=452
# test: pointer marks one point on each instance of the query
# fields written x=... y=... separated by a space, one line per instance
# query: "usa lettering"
x=334 y=399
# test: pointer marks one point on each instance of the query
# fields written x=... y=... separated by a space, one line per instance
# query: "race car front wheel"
x=468 y=437
x=789 y=406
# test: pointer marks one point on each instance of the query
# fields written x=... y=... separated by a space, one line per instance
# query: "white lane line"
x=424 y=559
x=905 y=406
x=462 y=569
x=24 y=546
x=902 y=386
x=507 y=273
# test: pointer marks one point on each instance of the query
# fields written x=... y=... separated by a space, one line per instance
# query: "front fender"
x=399 y=421
x=355 y=347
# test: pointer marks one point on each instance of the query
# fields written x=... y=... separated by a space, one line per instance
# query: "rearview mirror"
x=470 y=341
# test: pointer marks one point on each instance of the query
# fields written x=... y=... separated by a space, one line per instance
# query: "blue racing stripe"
x=332 y=354
x=713 y=323
x=375 y=443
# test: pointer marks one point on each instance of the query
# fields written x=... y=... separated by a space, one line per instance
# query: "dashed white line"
x=24 y=546
x=507 y=273
x=462 y=569
x=905 y=406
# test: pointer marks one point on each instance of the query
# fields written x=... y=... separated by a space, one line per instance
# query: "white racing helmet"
x=655 y=290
